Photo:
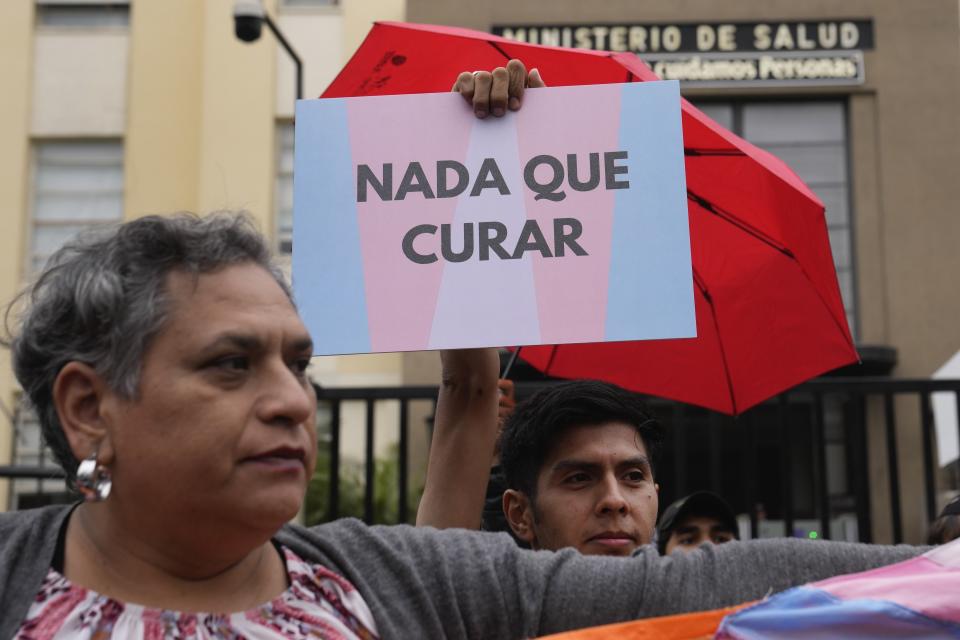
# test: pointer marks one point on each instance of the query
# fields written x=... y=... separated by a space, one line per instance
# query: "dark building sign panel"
x=700 y=37
x=782 y=69
x=820 y=52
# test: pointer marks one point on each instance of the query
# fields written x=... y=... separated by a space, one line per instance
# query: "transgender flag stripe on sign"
x=919 y=598
x=383 y=261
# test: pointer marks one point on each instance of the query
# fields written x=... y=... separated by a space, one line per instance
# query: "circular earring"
x=93 y=480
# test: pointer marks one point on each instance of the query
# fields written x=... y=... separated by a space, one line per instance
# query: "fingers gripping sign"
x=497 y=91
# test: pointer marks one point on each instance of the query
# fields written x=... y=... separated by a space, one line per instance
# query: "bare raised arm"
x=464 y=435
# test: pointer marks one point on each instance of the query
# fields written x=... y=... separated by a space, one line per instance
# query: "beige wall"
x=359 y=16
x=317 y=37
x=86 y=71
x=16 y=34
x=237 y=118
x=165 y=94
x=201 y=132
x=918 y=153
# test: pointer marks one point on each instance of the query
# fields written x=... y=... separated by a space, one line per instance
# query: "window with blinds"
x=283 y=207
x=76 y=185
x=82 y=14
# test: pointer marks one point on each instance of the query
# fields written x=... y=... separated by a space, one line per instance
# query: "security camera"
x=248 y=19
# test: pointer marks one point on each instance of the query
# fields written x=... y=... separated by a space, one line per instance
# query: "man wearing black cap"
x=947 y=525
x=694 y=520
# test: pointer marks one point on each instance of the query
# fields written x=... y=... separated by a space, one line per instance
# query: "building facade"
x=115 y=109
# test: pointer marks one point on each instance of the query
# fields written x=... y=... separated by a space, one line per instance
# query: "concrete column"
x=165 y=96
x=16 y=34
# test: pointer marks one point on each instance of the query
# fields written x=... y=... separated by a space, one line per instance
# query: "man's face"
x=694 y=530
x=222 y=426
x=595 y=492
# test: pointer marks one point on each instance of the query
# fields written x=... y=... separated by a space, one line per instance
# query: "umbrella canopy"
x=769 y=311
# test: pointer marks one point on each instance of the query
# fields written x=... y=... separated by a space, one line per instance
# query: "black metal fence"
x=801 y=456
x=798 y=464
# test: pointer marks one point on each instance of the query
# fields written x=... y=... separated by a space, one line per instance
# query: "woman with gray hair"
x=166 y=361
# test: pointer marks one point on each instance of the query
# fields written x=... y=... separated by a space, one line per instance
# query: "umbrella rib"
x=698 y=280
x=497 y=47
x=833 y=317
x=723 y=214
x=734 y=220
x=694 y=152
x=553 y=352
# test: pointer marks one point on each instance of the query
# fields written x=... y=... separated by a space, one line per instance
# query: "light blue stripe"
x=807 y=612
x=650 y=293
x=327 y=261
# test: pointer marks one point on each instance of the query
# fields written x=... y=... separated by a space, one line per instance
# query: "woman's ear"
x=78 y=395
x=519 y=513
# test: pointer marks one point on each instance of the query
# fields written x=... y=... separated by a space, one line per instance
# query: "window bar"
x=369 y=467
x=716 y=423
x=957 y=413
x=786 y=468
x=402 y=464
x=679 y=450
x=820 y=464
x=893 y=466
x=333 y=504
x=750 y=469
x=857 y=452
x=930 y=482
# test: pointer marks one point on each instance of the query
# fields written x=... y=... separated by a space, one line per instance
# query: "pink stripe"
x=572 y=294
x=55 y=614
x=947 y=555
x=394 y=284
x=919 y=584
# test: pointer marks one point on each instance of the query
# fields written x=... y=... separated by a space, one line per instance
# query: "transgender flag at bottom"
x=919 y=598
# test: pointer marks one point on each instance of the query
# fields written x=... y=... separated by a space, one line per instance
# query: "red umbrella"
x=769 y=312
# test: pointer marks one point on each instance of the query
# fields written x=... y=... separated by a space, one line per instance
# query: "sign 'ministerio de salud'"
x=418 y=226
x=820 y=52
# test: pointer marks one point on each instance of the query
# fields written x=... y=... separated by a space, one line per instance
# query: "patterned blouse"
x=317 y=604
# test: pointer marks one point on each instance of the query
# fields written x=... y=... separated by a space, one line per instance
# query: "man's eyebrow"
x=687 y=528
x=575 y=463
x=303 y=344
x=635 y=461
x=249 y=342
x=243 y=341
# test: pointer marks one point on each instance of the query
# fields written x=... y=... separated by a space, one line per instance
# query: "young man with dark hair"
x=578 y=460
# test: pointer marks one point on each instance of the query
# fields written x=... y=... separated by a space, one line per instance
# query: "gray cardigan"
x=425 y=583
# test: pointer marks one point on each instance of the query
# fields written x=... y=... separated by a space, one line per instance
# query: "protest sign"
x=419 y=226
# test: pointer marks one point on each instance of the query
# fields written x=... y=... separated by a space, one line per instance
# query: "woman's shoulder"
x=32 y=520
x=26 y=535
x=28 y=539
